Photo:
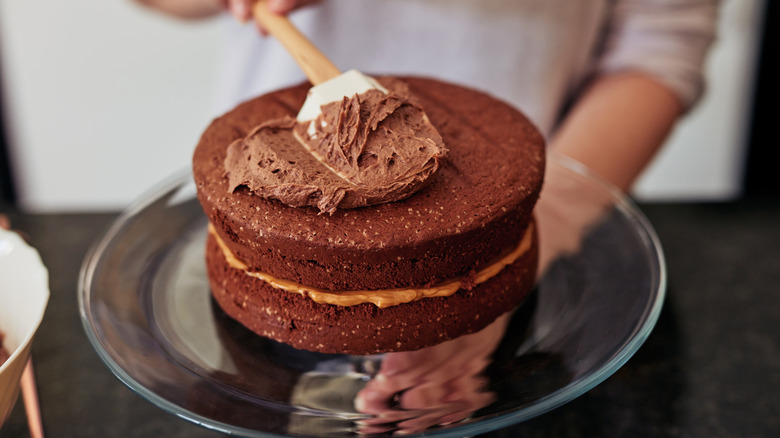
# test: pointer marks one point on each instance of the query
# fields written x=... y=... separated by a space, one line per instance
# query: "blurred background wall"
x=101 y=100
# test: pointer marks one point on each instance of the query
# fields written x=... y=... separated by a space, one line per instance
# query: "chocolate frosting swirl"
x=367 y=149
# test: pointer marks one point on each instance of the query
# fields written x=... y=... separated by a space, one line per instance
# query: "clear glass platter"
x=146 y=308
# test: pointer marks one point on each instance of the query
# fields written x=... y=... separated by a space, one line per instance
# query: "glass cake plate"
x=146 y=308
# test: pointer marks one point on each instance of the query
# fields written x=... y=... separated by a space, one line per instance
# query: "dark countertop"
x=711 y=367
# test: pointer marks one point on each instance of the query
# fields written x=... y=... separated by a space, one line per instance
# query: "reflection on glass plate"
x=146 y=307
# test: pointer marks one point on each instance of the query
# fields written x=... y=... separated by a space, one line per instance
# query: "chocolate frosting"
x=367 y=149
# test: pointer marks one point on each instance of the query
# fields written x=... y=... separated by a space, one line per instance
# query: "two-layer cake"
x=401 y=275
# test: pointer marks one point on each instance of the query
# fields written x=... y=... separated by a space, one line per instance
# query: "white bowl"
x=24 y=293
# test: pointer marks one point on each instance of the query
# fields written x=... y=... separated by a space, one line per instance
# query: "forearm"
x=188 y=9
x=618 y=124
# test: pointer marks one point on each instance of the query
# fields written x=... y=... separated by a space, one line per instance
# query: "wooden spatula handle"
x=315 y=65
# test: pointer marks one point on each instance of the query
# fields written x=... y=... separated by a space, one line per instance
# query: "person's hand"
x=442 y=384
x=242 y=9
x=567 y=208
x=5 y=224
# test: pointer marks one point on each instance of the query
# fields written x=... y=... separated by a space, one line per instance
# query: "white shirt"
x=534 y=54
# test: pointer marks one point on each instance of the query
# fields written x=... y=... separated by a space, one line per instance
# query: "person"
x=604 y=80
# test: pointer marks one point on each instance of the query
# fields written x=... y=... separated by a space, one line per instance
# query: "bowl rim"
x=33 y=258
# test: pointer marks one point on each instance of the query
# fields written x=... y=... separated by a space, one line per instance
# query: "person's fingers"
x=413 y=364
x=438 y=394
x=381 y=429
x=282 y=7
x=424 y=405
x=421 y=423
x=241 y=10
x=373 y=400
x=4 y=222
x=426 y=396
x=388 y=416
x=477 y=402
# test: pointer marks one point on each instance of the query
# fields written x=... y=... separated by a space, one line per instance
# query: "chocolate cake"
x=443 y=260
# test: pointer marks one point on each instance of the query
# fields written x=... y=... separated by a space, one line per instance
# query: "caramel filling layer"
x=383 y=297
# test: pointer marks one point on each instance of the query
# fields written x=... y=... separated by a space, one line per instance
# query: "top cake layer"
x=475 y=207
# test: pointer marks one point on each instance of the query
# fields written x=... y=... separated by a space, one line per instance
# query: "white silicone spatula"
x=330 y=84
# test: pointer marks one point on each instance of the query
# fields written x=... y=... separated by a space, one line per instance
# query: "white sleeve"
x=667 y=39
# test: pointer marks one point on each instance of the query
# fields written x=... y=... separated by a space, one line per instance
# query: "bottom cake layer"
x=299 y=321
